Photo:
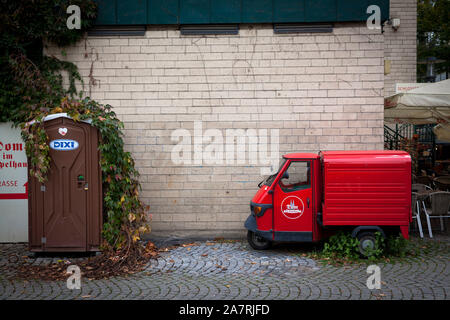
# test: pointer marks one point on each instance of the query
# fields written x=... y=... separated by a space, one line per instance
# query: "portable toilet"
x=65 y=212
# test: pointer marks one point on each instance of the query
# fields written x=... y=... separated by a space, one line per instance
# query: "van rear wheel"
x=257 y=242
x=367 y=243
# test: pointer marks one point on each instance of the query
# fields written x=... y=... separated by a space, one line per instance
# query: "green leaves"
x=343 y=247
x=125 y=215
x=27 y=77
x=397 y=246
x=433 y=33
x=31 y=87
x=44 y=19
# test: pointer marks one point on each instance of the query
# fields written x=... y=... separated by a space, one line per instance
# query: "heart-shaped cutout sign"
x=62 y=131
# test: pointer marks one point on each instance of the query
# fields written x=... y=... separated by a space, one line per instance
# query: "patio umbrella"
x=424 y=105
x=442 y=132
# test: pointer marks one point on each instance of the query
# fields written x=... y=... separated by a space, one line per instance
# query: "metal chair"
x=440 y=204
x=416 y=211
x=419 y=187
x=427 y=180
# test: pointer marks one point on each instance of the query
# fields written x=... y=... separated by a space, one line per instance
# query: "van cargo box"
x=366 y=188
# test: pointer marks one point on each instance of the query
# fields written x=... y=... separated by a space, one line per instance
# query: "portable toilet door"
x=65 y=213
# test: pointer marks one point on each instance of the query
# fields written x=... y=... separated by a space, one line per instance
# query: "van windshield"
x=269 y=179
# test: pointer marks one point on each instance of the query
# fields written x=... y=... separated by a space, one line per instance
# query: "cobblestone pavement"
x=232 y=270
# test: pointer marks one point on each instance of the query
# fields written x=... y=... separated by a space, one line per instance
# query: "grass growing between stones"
x=223 y=240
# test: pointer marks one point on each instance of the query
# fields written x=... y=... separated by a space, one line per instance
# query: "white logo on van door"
x=292 y=207
x=63 y=144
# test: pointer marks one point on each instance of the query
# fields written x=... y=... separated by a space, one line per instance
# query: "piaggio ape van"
x=314 y=195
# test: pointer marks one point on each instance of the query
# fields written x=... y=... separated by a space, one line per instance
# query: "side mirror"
x=285 y=175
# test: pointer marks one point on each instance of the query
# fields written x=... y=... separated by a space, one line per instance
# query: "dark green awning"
x=167 y=12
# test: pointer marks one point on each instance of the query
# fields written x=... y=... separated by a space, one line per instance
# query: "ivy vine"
x=126 y=216
x=32 y=87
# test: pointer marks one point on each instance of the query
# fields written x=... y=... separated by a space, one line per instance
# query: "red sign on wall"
x=13 y=164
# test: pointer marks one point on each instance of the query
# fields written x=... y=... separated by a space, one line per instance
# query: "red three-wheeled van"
x=314 y=195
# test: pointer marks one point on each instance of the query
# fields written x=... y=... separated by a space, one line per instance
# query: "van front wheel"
x=257 y=242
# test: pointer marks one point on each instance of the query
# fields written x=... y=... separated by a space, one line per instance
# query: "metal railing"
x=425 y=133
x=392 y=138
x=393 y=135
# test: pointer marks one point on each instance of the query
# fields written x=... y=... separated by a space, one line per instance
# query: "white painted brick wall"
x=323 y=92
x=400 y=46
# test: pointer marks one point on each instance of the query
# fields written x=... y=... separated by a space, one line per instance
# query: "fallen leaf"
x=188 y=244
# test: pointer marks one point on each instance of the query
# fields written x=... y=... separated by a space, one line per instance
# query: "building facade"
x=309 y=91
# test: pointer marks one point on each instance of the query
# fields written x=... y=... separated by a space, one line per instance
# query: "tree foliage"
x=25 y=26
x=433 y=33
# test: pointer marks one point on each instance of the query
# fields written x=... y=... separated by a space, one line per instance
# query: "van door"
x=293 y=203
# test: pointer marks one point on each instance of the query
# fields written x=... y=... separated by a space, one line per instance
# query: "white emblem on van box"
x=64 y=144
x=62 y=131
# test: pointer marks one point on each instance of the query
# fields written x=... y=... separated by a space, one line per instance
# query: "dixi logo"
x=63 y=144
x=292 y=207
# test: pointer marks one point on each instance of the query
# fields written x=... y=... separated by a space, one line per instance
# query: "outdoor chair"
x=416 y=211
x=440 y=204
x=442 y=183
x=427 y=180
x=419 y=187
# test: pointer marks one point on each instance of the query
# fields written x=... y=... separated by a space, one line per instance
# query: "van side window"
x=299 y=177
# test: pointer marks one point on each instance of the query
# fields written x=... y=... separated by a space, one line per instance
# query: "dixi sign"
x=63 y=144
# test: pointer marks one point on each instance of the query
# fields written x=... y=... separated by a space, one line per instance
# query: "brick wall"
x=321 y=91
x=400 y=45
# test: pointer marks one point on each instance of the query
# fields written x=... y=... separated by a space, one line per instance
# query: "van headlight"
x=257 y=210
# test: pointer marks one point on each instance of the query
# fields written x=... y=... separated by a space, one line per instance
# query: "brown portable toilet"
x=65 y=213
